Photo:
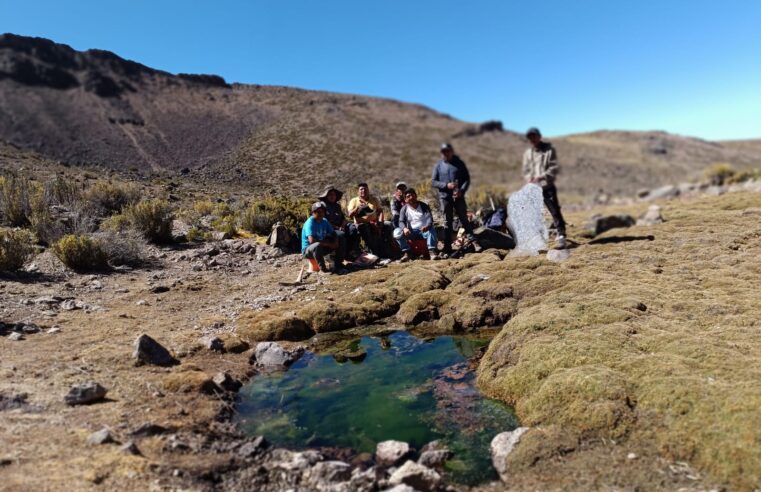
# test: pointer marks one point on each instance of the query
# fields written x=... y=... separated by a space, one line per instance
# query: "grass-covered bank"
x=652 y=344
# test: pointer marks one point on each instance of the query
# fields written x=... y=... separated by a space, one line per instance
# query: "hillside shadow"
x=621 y=239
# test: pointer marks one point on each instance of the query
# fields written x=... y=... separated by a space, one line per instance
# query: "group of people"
x=329 y=230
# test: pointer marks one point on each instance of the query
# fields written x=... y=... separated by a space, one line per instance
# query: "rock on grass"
x=416 y=476
x=85 y=393
x=149 y=351
x=501 y=447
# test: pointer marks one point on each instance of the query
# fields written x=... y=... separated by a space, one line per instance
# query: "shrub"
x=720 y=173
x=109 y=198
x=197 y=235
x=263 y=214
x=225 y=225
x=153 y=218
x=15 y=200
x=125 y=248
x=62 y=191
x=15 y=248
x=80 y=253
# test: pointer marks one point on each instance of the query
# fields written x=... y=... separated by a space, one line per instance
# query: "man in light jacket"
x=415 y=222
x=452 y=179
x=540 y=166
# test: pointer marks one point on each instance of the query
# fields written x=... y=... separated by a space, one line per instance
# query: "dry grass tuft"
x=15 y=249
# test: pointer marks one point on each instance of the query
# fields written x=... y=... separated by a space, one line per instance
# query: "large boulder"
x=272 y=355
x=416 y=476
x=599 y=223
x=664 y=192
x=501 y=447
x=149 y=351
x=525 y=219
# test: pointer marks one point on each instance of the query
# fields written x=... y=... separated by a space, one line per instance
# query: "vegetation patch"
x=15 y=249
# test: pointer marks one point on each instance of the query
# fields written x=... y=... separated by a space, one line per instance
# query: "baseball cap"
x=533 y=131
x=446 y=146
x=317 y=206
x=400 y=184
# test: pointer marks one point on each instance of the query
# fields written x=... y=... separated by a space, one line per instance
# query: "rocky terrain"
x=95 y=108
x=631 y=358
x=632 y=361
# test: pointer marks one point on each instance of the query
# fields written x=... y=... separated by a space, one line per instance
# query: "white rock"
x=501 y=446
x=416 y=476
x=391 y=452
x=558 y=255
x=525 y=219
x=651 y=217
x=273 y=355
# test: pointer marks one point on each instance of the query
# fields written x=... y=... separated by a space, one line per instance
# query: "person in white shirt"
x=415 y=222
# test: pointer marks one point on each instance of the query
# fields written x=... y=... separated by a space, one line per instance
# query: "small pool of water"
x=405 y=388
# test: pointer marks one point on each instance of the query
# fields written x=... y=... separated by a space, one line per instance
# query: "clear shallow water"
x=405 y=389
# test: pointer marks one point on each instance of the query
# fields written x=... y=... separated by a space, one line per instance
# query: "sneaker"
x=476 y=247
x=384 y=261
x=560 y=242
x=435 y=256
x=405 y=258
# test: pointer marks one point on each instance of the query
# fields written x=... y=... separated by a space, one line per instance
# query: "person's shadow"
x=621 y=239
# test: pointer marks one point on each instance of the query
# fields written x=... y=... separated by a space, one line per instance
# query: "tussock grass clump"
x=111 y=198
x=80 y=253
x=15 y=200
x=719 y=173
x=126 y=248
x=263 y=214
x=15 y=249
x=153 y=218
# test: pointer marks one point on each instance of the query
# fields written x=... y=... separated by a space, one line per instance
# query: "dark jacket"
x=404 y=220
x=396 y=209
x=447 y=172
x=334 y=214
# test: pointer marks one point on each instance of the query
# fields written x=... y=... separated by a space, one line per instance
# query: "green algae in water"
x=405 y=389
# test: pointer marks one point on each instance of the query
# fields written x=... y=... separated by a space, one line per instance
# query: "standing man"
x=540 y=166
x=451 y=177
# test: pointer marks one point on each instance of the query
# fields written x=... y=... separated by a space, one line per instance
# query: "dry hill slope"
x=94 y=107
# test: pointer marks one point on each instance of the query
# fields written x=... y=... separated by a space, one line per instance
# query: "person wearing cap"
x=415 y=222
x=540 y=166
x=368 y=215
x=397 y=202
x=318 y=239
x=452 y=179
x=347 y=233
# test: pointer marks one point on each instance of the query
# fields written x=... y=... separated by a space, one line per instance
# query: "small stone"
x=130 y=448
x=141 y=302
x=501 y=446
x=558 y=255
x=216 y=344
x=159 y=289
x=435 y=458
x=149 y=351
x=631 y=456
x=85 y=393
x=15 y=336
x=96 y=285
x=54 y=329
x=330 y=472
x=102 y=436
x=72 y=304
x=401 y=488
x=390 y=453
x=416 y=476
x=253 y=447
x=148 y=429
x=227 y=382
x=30 y=328
x=272 y=355
x=651 y=217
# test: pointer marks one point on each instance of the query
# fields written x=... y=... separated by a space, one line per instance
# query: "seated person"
x=397 y=202
x=346 y=232
x=318 y=239
x=416 y=222
x=367 y=212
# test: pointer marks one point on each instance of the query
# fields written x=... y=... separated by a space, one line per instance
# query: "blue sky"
x=686 y=66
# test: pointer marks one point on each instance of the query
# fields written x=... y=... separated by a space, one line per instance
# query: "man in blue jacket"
x=415 y=222
x=452 y=179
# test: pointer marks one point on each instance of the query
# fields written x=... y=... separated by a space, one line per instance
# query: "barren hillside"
x=96 y=108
